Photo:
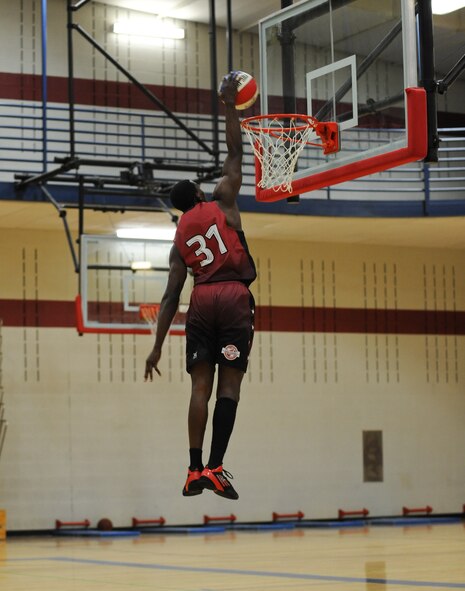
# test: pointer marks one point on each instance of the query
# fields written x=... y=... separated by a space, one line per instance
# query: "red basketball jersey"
x=212 y=249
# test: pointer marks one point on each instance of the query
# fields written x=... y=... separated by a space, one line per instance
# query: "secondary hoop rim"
x=149 y=312
x=308 y=120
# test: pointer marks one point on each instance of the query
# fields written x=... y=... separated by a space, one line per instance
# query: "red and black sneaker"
x=216 y=481
x=192 y=487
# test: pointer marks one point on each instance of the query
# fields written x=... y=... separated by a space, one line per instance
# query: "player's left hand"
x=152 y=364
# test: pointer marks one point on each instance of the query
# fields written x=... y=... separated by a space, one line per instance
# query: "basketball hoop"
x=277 y=141
x=149 y=313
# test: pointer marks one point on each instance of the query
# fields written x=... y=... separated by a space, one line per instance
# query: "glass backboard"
x=117 y=276
x=353 y=62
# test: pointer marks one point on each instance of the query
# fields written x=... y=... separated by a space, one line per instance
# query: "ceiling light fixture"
x=141 y=265
x=446 y=6
x=155 y=29
x=160 y=233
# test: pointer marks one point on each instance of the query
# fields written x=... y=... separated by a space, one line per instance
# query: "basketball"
x=247 y=90
x=105 y=524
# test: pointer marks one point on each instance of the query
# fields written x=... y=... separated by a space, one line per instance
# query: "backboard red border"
x=83 y=329
x=416 y=149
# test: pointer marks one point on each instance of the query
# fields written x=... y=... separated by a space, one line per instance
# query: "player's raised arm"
x=229 y=184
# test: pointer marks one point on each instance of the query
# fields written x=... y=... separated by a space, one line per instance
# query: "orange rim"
x=330 y=144
x=308 y=120
x=149 y=312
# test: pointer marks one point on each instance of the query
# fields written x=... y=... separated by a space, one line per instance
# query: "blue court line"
x=257 y=573
x=86 y=533
x=209 y=529
x=4 y=561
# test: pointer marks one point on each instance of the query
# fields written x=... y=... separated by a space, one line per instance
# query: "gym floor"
x=361 y=558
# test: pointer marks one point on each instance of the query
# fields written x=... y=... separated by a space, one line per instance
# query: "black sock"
x=195 y=458
x=223 y=423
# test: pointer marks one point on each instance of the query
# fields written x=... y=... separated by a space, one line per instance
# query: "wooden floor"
x=370 y=558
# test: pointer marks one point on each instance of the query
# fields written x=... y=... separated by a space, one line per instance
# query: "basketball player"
x=219 y=323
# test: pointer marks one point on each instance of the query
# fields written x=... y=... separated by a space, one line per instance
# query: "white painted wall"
x=88 y=438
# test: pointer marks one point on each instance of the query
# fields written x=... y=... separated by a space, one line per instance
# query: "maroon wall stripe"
x=359 y=320
x=39 y=313
x=103 y=93
x=60 y=314
x=126 y=95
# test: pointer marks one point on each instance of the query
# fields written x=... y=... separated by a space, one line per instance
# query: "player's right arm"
x=228 y=186
x=168 y=307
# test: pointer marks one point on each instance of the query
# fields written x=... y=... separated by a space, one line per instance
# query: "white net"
x=277 y=141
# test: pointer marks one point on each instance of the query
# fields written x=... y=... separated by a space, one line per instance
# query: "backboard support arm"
x=427 y=79
x=451 y=76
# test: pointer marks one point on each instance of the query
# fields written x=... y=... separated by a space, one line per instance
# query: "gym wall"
x=348 y=340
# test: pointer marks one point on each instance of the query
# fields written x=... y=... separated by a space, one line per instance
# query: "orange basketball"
x=247 y=90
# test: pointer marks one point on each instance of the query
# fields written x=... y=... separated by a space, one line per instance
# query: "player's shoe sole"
x=192 y=486
x=217 y=481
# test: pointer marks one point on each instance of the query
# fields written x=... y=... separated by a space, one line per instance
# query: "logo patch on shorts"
x=231 y=352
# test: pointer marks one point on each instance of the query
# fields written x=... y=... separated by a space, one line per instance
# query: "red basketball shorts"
x=220 y=324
